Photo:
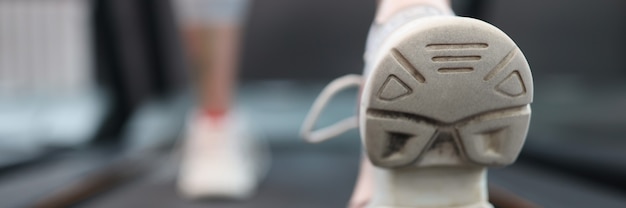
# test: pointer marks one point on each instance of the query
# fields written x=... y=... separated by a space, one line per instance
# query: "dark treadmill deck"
x=314 y=176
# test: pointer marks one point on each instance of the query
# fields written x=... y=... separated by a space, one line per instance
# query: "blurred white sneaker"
x=220 y=159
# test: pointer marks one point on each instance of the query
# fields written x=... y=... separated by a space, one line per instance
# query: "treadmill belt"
x=310 y=176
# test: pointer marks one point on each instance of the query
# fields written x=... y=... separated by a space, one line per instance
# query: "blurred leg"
x=213 y=43
x=218 y=148
x=214 y=52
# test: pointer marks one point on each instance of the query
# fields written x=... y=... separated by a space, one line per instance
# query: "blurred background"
x=94 y=95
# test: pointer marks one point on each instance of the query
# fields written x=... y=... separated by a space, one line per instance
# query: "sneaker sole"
x=446 y=75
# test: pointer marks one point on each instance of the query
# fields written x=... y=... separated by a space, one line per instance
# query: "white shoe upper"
x=221 y=159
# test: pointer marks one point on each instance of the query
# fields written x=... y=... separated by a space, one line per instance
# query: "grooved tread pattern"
x=456 y=89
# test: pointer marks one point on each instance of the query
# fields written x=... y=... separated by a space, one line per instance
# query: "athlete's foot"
x=221 y=159
x=442 y=98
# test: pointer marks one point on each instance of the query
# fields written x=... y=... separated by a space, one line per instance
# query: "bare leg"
x=217 y=154
x=364 y=185
x=214 y=50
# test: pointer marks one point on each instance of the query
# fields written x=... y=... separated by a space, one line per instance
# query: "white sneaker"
x=221 y=159
x=442 y=98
